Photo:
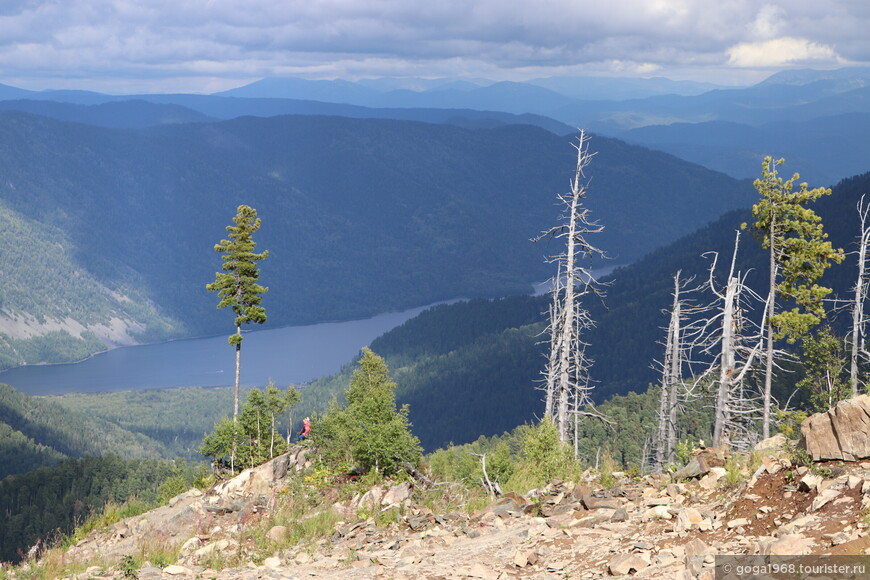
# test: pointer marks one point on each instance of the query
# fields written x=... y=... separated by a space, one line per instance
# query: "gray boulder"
x=842 y=432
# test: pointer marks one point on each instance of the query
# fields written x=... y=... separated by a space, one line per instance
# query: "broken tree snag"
x=418 y=476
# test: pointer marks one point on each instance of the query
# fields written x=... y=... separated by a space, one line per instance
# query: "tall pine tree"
x=238 y=284
x=799 y=255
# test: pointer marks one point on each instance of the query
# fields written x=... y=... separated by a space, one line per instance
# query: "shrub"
x=371 y=430
x=608 y=466
x=543 y=458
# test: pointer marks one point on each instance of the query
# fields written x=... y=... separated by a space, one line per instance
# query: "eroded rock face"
x=842 y=432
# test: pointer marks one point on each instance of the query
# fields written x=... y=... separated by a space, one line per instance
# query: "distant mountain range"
x=823 y=150
x=782 y=115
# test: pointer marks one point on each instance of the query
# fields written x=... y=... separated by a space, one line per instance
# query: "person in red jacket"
x=306 y=429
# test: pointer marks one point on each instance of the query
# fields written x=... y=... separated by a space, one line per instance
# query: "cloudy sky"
x=209 y=45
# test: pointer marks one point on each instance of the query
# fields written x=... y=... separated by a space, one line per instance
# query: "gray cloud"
x=210 y=44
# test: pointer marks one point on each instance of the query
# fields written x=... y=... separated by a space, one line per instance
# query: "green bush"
x=371 y=432
x=543 y=458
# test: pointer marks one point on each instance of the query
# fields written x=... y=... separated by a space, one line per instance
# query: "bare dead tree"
x=683 y=336
x=736 y=343
x=554 y=337
x=574 y=280
x=858 y=321
x=492 y=487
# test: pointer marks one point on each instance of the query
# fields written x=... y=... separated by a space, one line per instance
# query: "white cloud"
x=781 y=52
x=768 y=22
x=52 y=41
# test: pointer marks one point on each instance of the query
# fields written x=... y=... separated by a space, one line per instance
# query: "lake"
x=289 y=355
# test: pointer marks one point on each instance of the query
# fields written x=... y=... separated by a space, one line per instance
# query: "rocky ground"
x=651 y=527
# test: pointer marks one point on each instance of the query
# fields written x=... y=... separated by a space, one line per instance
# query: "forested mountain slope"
x=35 y=432
x=177 y=418
x=359 y=216
x=48 y=503
x=826 y=149
x=470 y=369
x=119 y=114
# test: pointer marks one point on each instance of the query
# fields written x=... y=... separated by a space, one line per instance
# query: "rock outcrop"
x=842 y=432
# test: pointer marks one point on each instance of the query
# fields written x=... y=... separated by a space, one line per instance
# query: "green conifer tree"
x=238 y=285
x=824 y=362
x=371 y=428
x=799 y=255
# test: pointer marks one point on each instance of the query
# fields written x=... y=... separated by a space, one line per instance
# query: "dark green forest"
x=35 y=432
x=50 y=501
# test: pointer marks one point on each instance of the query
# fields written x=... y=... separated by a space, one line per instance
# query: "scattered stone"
x=397 y=494
x=479 y=571
x=149 y=573
x=595 y=503
x=702 y=461
x=840 y=538
x=190 y=546
x=774 y=465
x=659 y=512
x=675 y=489
x=810 y=482
x=595 y=518
x=371 y=498
x=619 y=515
x=711 y=480
x=788 y=545
x=525 y=557
x=823 y=498
x=175 y=570
x=211 y=548
x=771 y=443
x=624 y=564
x=697 y=553
x=737 y=523
x=276 y=533
x=687 y=518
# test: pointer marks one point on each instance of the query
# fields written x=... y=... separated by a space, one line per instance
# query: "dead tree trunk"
x=769 y=312
x=735 y=358
x=569 y=319
x=860 y=295
x=726 y=364
x=681 y=339
x=668 y=402
x=552 y=361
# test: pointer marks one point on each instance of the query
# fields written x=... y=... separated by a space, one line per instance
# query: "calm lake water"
x=289 y=355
